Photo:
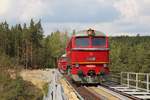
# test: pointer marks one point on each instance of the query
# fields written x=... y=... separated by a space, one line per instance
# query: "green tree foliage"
x=130 y=54
x=27 y=46
x=17 y=89
x=54 y=47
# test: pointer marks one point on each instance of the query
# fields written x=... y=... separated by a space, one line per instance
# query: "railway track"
x=108 y=90
x=83 y=91
x=117 y=93
x=101 y=92
x=86 y=93
x=92 y=92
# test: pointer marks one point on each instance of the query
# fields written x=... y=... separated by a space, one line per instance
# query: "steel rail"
x=83 y=92
x=78 y=95
x=94 y=93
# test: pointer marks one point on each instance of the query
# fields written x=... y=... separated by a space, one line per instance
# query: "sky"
x=113 y=17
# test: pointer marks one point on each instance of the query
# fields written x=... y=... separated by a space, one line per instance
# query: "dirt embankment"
x=37 y=77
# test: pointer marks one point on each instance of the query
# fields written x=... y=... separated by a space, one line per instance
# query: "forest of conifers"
x=26 y=46
x=130 y=54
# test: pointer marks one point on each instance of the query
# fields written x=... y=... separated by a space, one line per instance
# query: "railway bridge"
x=119 y=86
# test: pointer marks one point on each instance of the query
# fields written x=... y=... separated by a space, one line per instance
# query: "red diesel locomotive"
x=62 y=63
x=88 y=56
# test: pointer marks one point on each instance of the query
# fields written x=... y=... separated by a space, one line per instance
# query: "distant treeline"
x=25 y=45
x=130 y=54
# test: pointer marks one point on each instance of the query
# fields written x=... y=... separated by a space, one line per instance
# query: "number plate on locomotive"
x=91 y=58
x=91 y=66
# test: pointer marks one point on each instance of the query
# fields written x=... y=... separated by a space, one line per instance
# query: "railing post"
x=121 y=79
x=54 y=85
x=136 y=80
x=128 y=79
x=147 y=82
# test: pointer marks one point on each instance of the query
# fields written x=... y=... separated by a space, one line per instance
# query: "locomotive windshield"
x=82 y=42
x=98 y=41
x=86 y=41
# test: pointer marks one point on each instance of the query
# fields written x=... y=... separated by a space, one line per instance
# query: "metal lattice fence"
x=140 y=81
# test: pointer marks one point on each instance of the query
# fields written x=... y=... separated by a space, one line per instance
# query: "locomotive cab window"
x=99 y=41
x=82 y=42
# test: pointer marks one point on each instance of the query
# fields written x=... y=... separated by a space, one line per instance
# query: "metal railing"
x=55 y=90
x=115 y=77
x=139 y=81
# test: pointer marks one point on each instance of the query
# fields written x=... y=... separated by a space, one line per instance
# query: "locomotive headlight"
x=90 y=32
x=77 y=65
x=105 y=65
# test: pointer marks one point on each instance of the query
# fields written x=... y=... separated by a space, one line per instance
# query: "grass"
x=45 y=88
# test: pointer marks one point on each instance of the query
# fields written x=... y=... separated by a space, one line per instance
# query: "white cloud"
x=128 y=8
x=133 y=11
x=4 y=6
x=107 y=28
x=24 y=10
x=35 y=9
x=109 y=16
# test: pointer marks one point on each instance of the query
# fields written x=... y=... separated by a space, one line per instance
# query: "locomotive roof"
x=84 y=33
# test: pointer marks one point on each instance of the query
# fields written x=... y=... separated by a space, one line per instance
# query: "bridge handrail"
x=136 y=73
x=125 y=76
x=55 y=90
